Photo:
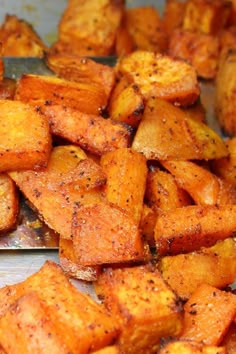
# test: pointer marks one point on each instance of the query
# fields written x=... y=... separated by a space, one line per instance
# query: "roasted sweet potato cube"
x=81 y=69
x=166 y=132
x=144 y=305
x=208 y=314
x=88 y=97
x=114 y=232
x=206 y=16
x=127 y=106
x=126 y=172
x=91 y=132
x=55 y=191
x=82 y=323
x=204 y=187
x=20 y=39
x=124 y=43
x=160 y=76
x=70 y=265
x=147 y=224
x=24 y=135
x=163 y=192
x=189 y=347
x=9 y=203
x=215 y=266
x=189 y=228
x=226 y=167
x=90 y=28
x=145 y=26
x=26 y=327
x=203 y=55
x=173 y=15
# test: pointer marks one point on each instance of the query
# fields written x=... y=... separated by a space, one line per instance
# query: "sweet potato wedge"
x=111 y=229
x=25 y=137
x=189 y=228
x=81 y=69
x=162 y=191
x=202 y=322
x=126 y=172
x=143 y=304
x=215 y=266
x=55 y=191
x=204 y=187
x=70 y=265
x=166 y=132
x=189 y=347
x=26 y=327
x=91 y=132
x=173 y=15
x=20 y=39
x=206 y=16
x=82 y=323
x=9 y=203
x=160 y=76
x=39 y=90
x=145 y=27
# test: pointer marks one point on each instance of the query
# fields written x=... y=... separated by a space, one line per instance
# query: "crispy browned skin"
x=203 y=55
x=145 y=27
x=188 y=229
x=81 y=69
x=166 y=132
x=92 y=133
x=203 y=324
x=225 y=94
x=88 y=97
x=144 y=305
x=114 y=232
x=25 y=137
x=160 y=76
x=81 y=322
x=206 y=16
x=126 y=172
x=20 y=39
x=185 y=272
x=55 y=191
x=89 y=28
x=9 y=203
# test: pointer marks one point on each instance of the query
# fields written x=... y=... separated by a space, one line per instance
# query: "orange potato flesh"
x=9 y=203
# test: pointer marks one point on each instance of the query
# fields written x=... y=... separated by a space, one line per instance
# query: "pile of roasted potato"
x=121 y=164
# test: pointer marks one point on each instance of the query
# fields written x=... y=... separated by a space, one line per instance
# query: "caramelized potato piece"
x=189 y=347
x=163 y=192
x=173 y=15
x=81 y=69
x=7 y=89
x=166 y=132
x=225 y=94
x=24 y=135
x=55 y=191
x=189 y=228
x=37 y=90
x=226 y=167
x=19 y=39
x=9 y=203
x=196 y=111
x=126 y=172
x=227 y=38
x=206 y=16
x=143 y=304
x=145 y=26
x=81 y=322
x=70 y=265
x=203 y=186
x=147 y=224
x=160 y=76
x=203 y=55
x=215 y=266
x=201 y=322
x=111 y=229
x=89 y=28
x=93 y=133
x=124 y=43
x=229 y=340
x=26 y=327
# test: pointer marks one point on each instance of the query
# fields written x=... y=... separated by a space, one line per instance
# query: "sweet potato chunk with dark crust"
x=25 y=137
